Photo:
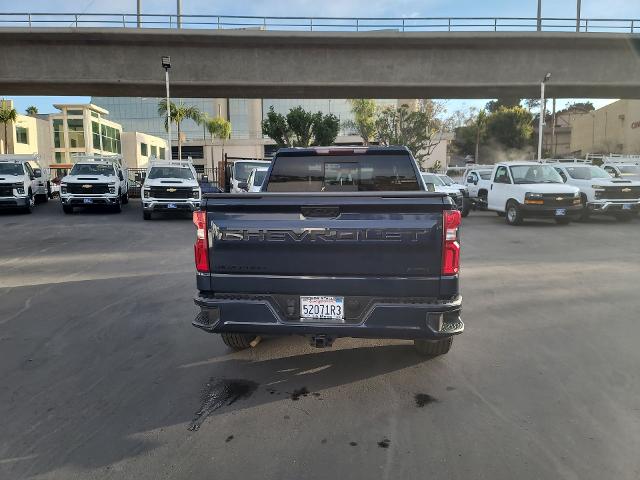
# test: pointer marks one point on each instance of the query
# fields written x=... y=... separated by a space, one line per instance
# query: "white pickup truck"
x=524 y=189
x=600 y=193
x=170 y=186
x=23 y=183
x=478 y=181
x=95 y=181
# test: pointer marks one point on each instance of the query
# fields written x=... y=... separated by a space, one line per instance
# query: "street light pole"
x=179 y=11
x=541 y=116
x=539 y=17
x=166 y=64
x=139 y=12
x=578 y=15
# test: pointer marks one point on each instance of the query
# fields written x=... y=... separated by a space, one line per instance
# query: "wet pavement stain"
x=450 y=389
x=384 y=443
x=300 y=392
x=353 y=444
x=220 y=394
x=228 y=439
x=423 y=399
x=323 y=441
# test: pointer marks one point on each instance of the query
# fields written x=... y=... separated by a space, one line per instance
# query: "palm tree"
x=219 y=128
x=32 y=110
x=179 y=113
x=8 y=114
x=481 y=125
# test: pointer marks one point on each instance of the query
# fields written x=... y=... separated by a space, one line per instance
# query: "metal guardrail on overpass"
x=322 y=24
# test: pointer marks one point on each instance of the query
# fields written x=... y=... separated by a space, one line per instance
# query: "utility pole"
x=541 y=117
x=166 y=64
x=139 y=12
x=539 y=17
x=553 y=129
x=578 y=15
x=179 y=10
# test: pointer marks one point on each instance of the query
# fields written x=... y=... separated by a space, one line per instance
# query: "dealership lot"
x=104 y=377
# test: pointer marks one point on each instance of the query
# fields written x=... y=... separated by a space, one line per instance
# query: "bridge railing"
x=322 y=24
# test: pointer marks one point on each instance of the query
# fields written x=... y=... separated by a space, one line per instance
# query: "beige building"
x=27 y=135
x=614 y=128
x=138 y=148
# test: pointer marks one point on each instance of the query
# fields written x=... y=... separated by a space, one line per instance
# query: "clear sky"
x=361 y=8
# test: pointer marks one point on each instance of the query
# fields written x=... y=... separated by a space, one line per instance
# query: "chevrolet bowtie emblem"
x=559 y=198
x=87 y=186
x=625 y=190
x=171 y=190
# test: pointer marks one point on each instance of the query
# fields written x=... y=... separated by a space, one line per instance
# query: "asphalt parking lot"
x=103 y=376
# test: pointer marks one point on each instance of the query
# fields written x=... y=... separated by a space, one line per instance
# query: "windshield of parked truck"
x=242 y=170
x=435 y=179
x=343 y=173
x=446 y=180
x=11 y=169
x=92 y=169
x=258 y=178
x=587 y=172
x=526 y=174
x=629 y=169
x=170 y=172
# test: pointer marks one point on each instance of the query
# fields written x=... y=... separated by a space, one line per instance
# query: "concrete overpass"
x=276 y=64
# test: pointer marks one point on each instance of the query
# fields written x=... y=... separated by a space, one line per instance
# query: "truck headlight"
x=19 y=188
x=145 y=193
x=534 y=198
x=196 y=193
x=63 y=188
x=112 y=188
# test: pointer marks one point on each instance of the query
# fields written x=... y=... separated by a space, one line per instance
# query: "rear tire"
x=117 y=208
x=67 y=209
x=146 y=215
x=433 y=348
x=466 y=207
x=238 y=341
x=513 y=215
x=30 y=203
x=125 y=199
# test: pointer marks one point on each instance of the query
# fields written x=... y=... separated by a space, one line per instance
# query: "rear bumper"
x=544 y=211
x=381 y=319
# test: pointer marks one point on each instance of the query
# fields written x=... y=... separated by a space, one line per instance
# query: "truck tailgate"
x=327 y=243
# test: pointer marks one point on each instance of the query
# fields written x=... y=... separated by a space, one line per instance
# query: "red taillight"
x=201 y=247
x=450 y=245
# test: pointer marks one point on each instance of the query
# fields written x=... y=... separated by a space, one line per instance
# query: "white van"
x=520 y=190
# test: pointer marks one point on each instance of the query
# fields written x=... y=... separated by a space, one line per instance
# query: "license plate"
x=561 y=212
x=626 y=206
x=328 y=308
x=88 y=200
x=172 y=205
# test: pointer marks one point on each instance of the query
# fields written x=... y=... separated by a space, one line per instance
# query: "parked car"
x=439 y=186
x=95 y=181
x=623 y=170
x=478 y=182
x=256 y=177
x=169 y=186
x=237 y=173
x=466 y=202
x=522 y=190
x=341 y=242
x=600 y=193
x=21 y=185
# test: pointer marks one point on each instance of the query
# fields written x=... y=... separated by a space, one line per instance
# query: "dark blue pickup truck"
x=341 y=242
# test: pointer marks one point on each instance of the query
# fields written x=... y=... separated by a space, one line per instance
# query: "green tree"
x=364 y=118
x=300 y=128
x=219 y=128
x=494 y=105
x=178 y=114
x=511 y=127
x=8 y=114
x=419 y=130
x=325 y=128
x=32 y=110
x=480 y=126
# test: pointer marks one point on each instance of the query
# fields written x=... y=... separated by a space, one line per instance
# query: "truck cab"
x=170 y=186
x=478 y=181
x=339 y=242
x=94 y=182
x=21 y=185
x=256 y=179
x=237 y=173
x=600 y=193
x=524 y=189
x=439 y=185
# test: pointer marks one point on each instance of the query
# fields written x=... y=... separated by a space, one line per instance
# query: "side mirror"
x=37 y=173
x=431 y=187
x=243 y=185
x=469 y=179
x=120 y=176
